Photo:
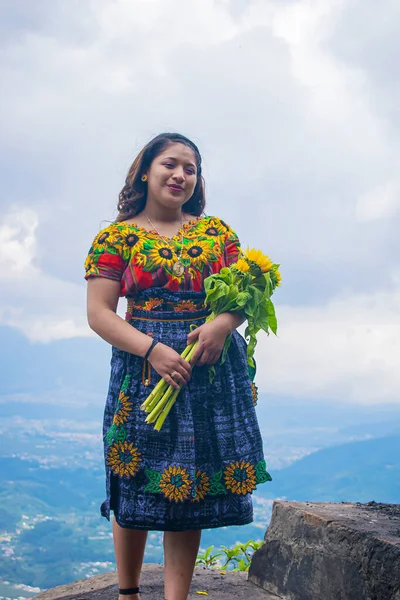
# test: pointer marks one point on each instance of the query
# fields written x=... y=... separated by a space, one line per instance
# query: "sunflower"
x=210 y=227
x=133 y=239
x=202 y=484
x=152 y=304
x=160 y=255
x=123 y=409
x=123 y=459
x=254 y=393
x=240 y=478
x=197 y=252
x=185 y=305
x=175 y=484
x=105 y=238
x=242 y=265
x=258 y=258
x=276 y=277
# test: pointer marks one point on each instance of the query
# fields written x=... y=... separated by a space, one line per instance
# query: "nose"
x=179 y=175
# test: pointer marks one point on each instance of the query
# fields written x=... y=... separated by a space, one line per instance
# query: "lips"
x=175 y=188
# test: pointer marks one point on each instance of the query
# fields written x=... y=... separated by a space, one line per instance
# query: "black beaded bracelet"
x=153 y=343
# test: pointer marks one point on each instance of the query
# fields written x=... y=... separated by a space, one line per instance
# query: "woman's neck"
x=162 y=214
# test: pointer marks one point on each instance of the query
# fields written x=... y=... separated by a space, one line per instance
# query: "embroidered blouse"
x=140 y=259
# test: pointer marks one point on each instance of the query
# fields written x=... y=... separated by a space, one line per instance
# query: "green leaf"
x=110 y=434
x=120 y=434
x=225 y=348
x=272 y=317
x=242 y=298
x=154 y=478
x=125 y=383
x=211 y=373
x=262 y=474
x=216 y=485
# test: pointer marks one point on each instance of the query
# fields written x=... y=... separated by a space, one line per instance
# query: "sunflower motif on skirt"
x=186 y=305
x=198 y=252
x=254 y=393
x=123 y=409
x=202 y=484
x=123 y=459
x=175 y=484
x=240 y=478
x=152 y=304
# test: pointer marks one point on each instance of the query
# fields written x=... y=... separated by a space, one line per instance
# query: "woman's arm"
x=102 y=302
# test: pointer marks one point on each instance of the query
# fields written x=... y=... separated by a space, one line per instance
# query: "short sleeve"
x=233 y=250
x=107 y=255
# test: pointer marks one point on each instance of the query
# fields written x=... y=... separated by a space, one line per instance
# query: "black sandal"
x=128 y=591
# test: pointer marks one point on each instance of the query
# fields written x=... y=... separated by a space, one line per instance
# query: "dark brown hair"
x=133 y=196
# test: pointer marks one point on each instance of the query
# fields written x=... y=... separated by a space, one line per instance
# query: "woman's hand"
x=166 y=361
x=211 y=336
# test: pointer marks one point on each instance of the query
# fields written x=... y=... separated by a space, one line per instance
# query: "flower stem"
x=160 y=405
x=165 y=412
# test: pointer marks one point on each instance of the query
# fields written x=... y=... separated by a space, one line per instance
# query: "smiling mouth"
x=175 y=188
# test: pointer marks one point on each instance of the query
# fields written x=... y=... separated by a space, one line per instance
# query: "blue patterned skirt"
x=199 y=471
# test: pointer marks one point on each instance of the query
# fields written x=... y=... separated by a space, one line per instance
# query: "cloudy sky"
x=294 y=105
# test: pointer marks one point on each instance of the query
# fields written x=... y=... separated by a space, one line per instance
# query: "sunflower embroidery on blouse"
x=240 y=477
x=203 y=244
x=123 y=459
x=133 y=240
x=198 y=253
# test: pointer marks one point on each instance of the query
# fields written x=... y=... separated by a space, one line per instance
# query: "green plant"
x=207 y=559
x=237 y=558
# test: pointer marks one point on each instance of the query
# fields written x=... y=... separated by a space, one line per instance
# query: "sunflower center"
x=165 y=253
x=125 y=456
x=211 y=231
x=195 y=251
x=239 y=475
x=103 y=237
x=132 y=239
x=176 y=480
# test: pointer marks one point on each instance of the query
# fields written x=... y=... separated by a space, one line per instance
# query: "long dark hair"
x=133 y=196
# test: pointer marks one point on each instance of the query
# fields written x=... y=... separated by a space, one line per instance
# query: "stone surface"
x=217 y=586
x=326 y=551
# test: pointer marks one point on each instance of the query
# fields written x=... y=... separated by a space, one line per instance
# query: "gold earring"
x=144 y=178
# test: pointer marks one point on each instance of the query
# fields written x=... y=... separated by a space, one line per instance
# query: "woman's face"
x=172 y=176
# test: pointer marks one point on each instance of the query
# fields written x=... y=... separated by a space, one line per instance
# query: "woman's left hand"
x=211 y=336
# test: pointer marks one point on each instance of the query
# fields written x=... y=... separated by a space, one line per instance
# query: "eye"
x=169 y=165
x=191 y=171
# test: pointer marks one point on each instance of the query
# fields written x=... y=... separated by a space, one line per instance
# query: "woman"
x=199 y=471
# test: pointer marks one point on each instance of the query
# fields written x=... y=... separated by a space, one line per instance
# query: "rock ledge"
x=330 y=551
x=105 y=587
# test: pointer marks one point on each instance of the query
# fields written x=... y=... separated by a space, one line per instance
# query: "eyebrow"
x=172 y=158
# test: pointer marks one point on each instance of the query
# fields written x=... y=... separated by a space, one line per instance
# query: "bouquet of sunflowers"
x=246 y=287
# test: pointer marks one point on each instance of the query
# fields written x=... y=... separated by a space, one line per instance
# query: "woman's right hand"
x=166 y=361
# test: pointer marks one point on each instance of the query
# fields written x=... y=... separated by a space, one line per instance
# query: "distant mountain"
x=26 y=367
x=355 y=472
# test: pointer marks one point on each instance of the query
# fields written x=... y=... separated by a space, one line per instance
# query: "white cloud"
x=295 y=108
x=347 y=350
x=380 y=202
x=42 y=307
